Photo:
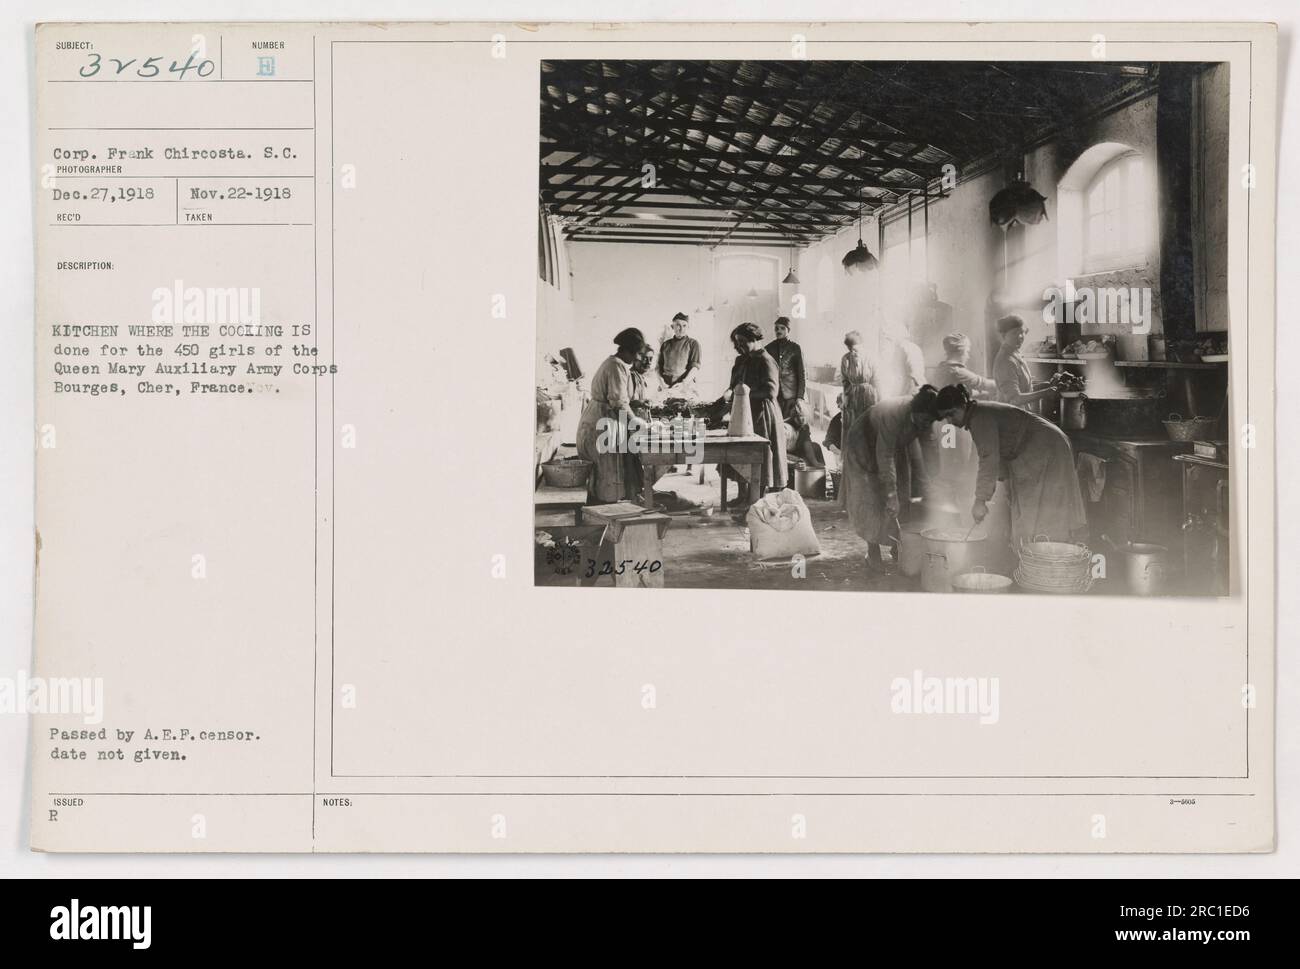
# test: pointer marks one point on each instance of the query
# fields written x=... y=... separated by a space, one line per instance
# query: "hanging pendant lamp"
x=859 y=258
x=1017 y=204
x=792 y=277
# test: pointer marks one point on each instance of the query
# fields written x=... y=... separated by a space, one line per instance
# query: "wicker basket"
x=1187 y=430
x=567 y=473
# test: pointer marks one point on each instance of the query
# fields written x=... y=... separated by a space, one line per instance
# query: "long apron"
x=859 y=395
x=857 y=399
x=613 y=476
x=1044 y=488
x=758 y=372
x=769 y=424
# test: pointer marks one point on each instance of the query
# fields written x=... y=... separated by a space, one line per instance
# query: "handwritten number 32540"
x=148 y=68
x=607 y=567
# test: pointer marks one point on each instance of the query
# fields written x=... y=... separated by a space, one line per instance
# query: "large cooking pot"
x=911 y=543
x=1143 y=567
x=1118 y=412
x=949 y=552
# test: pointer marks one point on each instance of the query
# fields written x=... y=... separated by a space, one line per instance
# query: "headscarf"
x=630 y=339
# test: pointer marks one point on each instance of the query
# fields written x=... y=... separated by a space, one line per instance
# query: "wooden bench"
x=558 y=506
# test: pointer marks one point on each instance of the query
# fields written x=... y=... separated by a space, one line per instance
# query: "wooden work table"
x=746 y=454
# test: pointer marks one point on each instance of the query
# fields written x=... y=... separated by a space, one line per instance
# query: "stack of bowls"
x=1055 y=567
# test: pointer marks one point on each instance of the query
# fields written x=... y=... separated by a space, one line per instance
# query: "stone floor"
x=705 y=549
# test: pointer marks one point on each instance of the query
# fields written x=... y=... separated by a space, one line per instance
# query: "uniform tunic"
x=789 y=364
x=1035 y=458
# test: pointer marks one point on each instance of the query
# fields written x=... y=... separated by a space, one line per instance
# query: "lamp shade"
x=1017 y=203
x=859 y=259
x=791 y=278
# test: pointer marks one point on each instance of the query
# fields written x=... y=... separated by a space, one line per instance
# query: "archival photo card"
x=970 y=325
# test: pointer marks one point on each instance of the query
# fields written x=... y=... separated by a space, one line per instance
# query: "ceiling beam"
x=721 y=219
x=824 y=134
x=626 y=240
x=725 y=177
x=695 y=232
x=744 y=155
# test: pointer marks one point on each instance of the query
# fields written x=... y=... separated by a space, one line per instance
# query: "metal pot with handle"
x=949 y=552
x=1145 y=566
x=959 y=547
x=1074 y=410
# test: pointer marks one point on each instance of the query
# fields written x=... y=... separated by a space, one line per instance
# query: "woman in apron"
x=1015 y=384
x=757 y=370
x=1033 y=455
x=881 y=452
x=857 y=376
x=615 y=474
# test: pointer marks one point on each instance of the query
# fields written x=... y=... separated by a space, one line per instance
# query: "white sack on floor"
x=780 y=527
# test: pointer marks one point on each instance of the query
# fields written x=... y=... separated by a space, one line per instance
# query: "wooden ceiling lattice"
x=783 y=153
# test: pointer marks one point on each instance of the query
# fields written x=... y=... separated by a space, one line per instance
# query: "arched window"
x=1117 y=214
x=746 y=276
x=1106 y=212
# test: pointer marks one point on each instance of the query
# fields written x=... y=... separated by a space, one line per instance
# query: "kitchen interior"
x=735 y=191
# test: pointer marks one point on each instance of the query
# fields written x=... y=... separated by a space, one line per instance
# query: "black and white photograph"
x=967 y=315
x=940 y=326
